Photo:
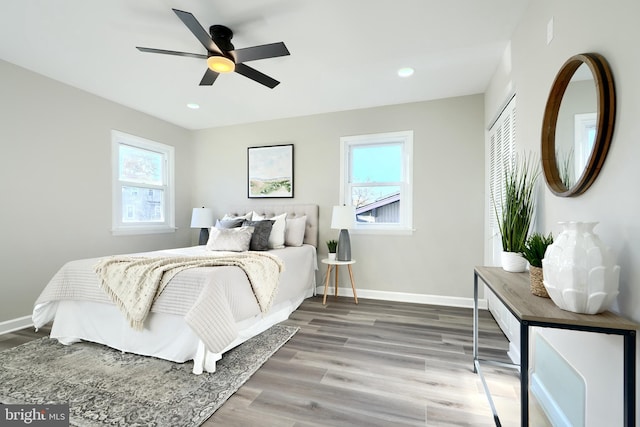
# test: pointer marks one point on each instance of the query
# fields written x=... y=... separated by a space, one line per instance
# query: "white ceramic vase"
x=579 y=271
x=513 y=262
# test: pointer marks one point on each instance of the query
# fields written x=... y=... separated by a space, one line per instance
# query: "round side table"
x=334 y=264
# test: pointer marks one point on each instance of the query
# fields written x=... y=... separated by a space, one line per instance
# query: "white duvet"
x=200 y=314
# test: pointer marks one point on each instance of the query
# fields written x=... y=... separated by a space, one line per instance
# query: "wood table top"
x=513 y=289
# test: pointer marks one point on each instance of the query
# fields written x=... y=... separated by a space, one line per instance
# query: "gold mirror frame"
x=606 y=111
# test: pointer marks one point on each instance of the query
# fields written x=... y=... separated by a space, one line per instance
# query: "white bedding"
x=221 y=295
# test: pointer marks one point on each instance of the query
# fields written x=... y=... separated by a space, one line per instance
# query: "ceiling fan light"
x=220 y=64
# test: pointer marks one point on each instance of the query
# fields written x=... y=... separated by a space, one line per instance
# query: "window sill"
x=129 y=231
x=400 y=231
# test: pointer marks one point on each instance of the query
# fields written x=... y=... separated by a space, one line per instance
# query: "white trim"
x=583 y=145
x=504 y=105
x=514 y=352
x=405 y=139
x=119 y=228
x=124 y=231
x=15 y=324
x=389 y=230
x=551 y=409
x=405 y=297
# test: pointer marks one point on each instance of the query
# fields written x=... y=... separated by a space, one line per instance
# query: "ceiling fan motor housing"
x=222 y=36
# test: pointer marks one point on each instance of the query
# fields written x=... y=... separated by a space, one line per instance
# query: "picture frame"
x=270 y=171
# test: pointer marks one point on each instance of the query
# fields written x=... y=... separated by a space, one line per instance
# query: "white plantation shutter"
x=502 y=137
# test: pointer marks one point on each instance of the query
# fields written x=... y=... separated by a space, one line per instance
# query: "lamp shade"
x=201 y=218
x=343 y=217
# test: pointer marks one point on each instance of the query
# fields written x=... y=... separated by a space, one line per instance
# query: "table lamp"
x=343 y=218
x=202 y=218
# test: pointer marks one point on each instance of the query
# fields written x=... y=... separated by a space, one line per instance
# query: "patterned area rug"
x=106 y=387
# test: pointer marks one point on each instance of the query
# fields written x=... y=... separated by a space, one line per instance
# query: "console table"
x=513 y=290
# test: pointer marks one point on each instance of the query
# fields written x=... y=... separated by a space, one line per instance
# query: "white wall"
x=437 y=260
x=609 y=28
x=55 y=182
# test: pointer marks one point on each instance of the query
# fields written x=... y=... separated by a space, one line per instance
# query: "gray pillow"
x=229 y=223
x=261 y=232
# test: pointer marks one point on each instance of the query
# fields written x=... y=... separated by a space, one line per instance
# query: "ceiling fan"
x=222 y=56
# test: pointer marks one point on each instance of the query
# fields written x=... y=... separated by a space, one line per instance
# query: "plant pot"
x=332 y=256
x=580 y=272
x=513 y=262
x=537 y=287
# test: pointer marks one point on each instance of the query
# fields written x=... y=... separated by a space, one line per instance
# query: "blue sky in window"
x=381 y=163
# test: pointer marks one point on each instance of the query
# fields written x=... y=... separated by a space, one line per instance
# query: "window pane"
x=376 y=163
x=379 y=204
x=139 y=165
x=142 y=205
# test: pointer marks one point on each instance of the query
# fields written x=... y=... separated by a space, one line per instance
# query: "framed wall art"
x=270 y=171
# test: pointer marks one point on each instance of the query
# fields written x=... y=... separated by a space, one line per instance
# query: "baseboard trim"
x=15 y=324
x=514 y=353
x=407 y=297
x=553 y=412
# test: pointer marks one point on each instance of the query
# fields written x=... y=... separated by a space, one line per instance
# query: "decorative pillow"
x=294 y=232
x=260 y=237
x=246 y=216
x=230 y=239
x=229 y=223
x=276 y=238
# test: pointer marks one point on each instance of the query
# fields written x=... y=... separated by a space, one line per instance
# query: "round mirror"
x=578 y=124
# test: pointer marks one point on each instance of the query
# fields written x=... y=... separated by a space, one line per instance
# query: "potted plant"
x=332 y=245
x=517 y=208
x=534 y=250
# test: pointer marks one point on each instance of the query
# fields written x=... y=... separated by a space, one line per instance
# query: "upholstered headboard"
x=292 y=211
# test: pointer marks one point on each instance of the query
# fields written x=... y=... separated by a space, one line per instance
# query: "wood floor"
x=377 y=363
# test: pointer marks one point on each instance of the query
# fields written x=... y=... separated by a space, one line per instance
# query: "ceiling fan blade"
x=209 y=77
x=171 y=52
x=264 y=51
x=194 y=26
x=256 y=75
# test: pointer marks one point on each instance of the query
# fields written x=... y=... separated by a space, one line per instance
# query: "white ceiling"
x=344 y=53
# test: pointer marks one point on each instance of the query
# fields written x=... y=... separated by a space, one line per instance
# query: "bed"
x=202 y=311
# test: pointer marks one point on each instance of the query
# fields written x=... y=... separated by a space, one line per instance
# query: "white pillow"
x=276 y=238
x=294 y=231
x=246 y=216
x=230 y=239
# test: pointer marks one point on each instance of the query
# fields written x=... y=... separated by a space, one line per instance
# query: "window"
x=502 y=138
x=586 y=127
x=376 y=176
x=142 y=185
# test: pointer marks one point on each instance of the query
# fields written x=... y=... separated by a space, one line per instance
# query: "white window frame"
x=118 y=227
x=583 y=123
x=405 y=138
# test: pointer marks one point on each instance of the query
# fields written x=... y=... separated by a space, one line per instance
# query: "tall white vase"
x=579 y=271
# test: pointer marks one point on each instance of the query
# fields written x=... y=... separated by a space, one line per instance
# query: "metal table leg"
x=524 y=373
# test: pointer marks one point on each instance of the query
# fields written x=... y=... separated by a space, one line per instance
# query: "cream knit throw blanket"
x=134 y=283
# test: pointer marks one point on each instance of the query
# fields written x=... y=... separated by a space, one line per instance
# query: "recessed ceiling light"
x=193 y=106
x=405 y=72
